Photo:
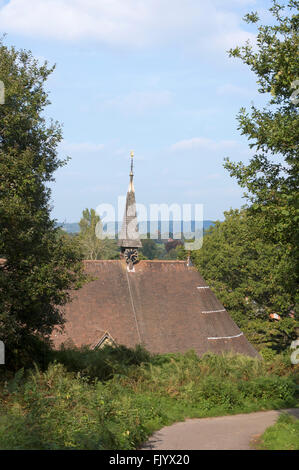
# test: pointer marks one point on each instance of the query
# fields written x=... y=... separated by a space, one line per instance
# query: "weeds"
x=283 y=435
x=115 y=398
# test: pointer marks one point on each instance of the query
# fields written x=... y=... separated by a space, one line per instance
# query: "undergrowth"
x=283 y=435
x=115 y=398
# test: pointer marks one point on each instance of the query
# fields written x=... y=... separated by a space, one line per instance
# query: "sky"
x=152 y=76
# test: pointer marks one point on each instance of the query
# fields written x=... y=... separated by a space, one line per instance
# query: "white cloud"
x=134 y=23
x=231 y=38
x=197 y=143
x=236 y=2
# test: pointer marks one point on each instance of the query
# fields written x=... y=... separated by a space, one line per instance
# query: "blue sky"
x=148 y=75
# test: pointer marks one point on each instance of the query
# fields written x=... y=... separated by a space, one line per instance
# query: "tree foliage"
x=40 y=263
x=271 y=178
x=94 y=247
x=252 y=277
x=150 y=249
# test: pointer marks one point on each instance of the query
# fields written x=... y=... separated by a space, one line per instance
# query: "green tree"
x=271 y=178
x=150 y=249
x=40 y=264
x=94 y=247
x=248 y=275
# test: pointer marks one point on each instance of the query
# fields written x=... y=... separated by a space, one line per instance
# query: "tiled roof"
x=165 y=305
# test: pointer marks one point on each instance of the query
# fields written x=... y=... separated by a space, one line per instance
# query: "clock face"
x=131 y=255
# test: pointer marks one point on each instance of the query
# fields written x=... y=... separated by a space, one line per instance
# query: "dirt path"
x=221 y=433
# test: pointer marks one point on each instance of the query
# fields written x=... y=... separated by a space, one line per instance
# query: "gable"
x=164 y=305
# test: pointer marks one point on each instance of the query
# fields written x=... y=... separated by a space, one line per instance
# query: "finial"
x=131 y=186
x=132 y=155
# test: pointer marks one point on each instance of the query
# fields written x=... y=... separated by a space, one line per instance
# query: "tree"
x=40 y=265
x=156 y=249
x=248 y=275
x=150 y=249
x=172 y=244
x=92 y=246
x=272 y=176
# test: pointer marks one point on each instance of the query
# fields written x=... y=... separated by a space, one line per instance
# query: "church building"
x=164 y=305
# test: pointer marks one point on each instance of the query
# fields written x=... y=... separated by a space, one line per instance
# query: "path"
x=221 y=433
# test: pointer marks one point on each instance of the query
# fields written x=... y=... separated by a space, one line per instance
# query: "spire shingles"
x=129 y=236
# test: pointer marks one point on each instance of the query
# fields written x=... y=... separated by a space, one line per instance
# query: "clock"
x=131 y=255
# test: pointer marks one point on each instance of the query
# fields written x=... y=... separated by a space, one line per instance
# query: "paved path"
x=221 y=433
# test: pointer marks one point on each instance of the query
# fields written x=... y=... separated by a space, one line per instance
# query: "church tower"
x=166 y=305
x=129 y=238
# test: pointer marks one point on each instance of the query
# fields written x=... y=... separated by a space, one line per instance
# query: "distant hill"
x=174 y=227
x=69 y=227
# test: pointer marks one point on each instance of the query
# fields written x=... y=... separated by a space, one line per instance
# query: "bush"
x=101 y=364
x=115 y=398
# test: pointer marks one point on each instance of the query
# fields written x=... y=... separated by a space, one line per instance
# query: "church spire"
x=129 y=238
x=131 y=185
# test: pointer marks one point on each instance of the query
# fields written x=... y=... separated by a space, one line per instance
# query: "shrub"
x=101 y=364
x=115 y=398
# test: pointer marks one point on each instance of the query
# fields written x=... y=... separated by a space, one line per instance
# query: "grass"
x=283 y=435
x=116 y=398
